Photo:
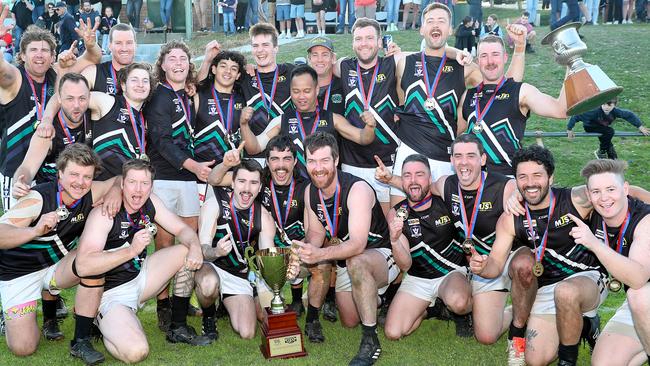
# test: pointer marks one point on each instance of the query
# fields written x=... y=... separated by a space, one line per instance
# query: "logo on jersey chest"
x=177 y=104
x=533 y=225
x=78 y=219
x=611 y=238
x=443 y=220
x=564 y=220
x=212 y=107
x=227 y=215
x=320 y=214
x=123 y=116
x=110 y=85
x=414 y=228
x=337 y=98
x=501 y=96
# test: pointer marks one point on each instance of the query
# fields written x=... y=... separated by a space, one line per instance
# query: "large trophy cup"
x=586 y=86
x=281 y=336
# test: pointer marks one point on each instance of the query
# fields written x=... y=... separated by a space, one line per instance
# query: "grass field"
x=621 y=51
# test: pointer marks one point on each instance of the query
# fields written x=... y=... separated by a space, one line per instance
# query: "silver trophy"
x=586 y=86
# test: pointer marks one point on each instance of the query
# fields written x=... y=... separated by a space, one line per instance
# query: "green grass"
x=621 y=51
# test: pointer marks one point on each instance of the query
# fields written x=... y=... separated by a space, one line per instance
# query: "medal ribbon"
x=59 y=199
x=139 y=137
x=251 y=217
x=40 y=102
x=185 y=104
x=539 y=253
x=303 y=134
x=480 y=114
x=431 y=88
x=134 y=224
x=621 y=232
x=276 y=206
x=367 y=98
x=114 y=76
x=333 y=226
x=268 y=103
x=421 y=203
x=226 y=121
x=326 y=100
x=64 y=127
x=469 y=225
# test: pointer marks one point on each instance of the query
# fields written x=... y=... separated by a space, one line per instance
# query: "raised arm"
x=361 y=136
x=36 y=154
x=265 y=239
x=15 y=223
x=212 y=49
x=184 y=234
x=517 y=33
x=257 y=144
x=398 y=242
x=10 y=80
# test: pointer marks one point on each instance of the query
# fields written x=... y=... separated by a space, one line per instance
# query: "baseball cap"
x=321 y=41
x=60 y=4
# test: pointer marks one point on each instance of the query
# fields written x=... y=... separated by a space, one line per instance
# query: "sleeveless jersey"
x=212 y=139
x=294 y=224
x=490 y=209
x=44 y=251
x=563 y=257
x=290 y=126
x=378 y=236
x=336 y=104
x=235 y=262
x=281 y=101
x=105 y=81
x=503 y=126
x=18 y=119
x=430 y=234
x=382 y=106
x=114 y=139
x=169 y=133
x=120 y=236
x=81 y=134
x=430 y=132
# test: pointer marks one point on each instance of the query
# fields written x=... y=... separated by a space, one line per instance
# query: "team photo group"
x=393 y=186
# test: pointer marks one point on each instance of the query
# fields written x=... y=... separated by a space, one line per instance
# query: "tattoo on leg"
x=184 y=283
x=530 y=334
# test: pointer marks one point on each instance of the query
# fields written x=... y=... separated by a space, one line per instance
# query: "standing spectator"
x=67 y=34
x=531 y=7
x=600 y=120
x=283 y=14
x=228 y=7
x=410 y=6
x=270 y=15
x=165 y=13
x=530 y=33
x=202 y=8
x=615 y=12
x=297 y=14
x=252 y=13
x=466 y=35
x=593 y=7
x=133 y=8
x=73 y=6
x=343 y=6
x=86 y=13
x=318 y=7
x=641 y=9
x=22 y=11
x=108 y=21
x=39 y=9
x=116 y=5
x=476 y=11
x=50 y=18
x=365 y=8
x=628 y=9
x=392 y=8
x=491 y=27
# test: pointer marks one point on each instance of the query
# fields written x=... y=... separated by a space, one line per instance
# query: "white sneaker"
x=300 y=34
x=608 y=23
x=616 y=22
x=282 y=35
x=516 y=352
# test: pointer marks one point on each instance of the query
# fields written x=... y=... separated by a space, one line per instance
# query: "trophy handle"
x=249 y=255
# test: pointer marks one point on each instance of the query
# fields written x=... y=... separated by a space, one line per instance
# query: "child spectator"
x=108 y=21
x=600 y=121
x=228 y=7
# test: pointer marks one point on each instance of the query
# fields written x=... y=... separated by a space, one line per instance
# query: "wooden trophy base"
x=281 y=336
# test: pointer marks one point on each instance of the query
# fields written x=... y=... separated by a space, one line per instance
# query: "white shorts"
x=545 y=301
x=368 y=174
x=344 y=284
x=180 y=197
x=426 y=288
x=8 y=201
x=206 y=191
x=622 y=322
x=438 y=168
x=501 y=283
x=27 y=288
x=230 y=284
x=127 y=294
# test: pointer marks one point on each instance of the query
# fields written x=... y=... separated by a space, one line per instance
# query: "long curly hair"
x=166 y=49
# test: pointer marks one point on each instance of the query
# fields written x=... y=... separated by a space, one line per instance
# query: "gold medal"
x=430 y=104
x=538 y=269
x=143 y=157
x=614 y=285
x=152 y=228
x=477 y=129
x=402 y=213
x=467 y=246
x=335 y=241
x=62 y=212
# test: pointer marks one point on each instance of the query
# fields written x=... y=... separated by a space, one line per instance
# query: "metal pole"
x=578 y=134
x=188 y=19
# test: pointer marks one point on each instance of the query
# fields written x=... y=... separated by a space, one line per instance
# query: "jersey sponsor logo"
x=322 y=123
x=447 y=69
x=77 y=219
x=485 y=206
x=443 y=220
x=337 y=98
x=564 y=220
x=282 y=79
x=502 y=96
x=381 y=78
x=239 y=106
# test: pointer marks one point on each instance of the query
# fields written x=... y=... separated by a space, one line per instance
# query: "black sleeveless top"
x=502 y=128
x=336 y=103
x=235 y=262
x=378 y=236
x=290 y=126
x=18 y=119
x=430 y=234
x=46 y=250
x=489 y=211
x=104 y=80
x=121 y=235
x=294 y=225
x=430 y=132
x=563 y=257
x=211 y=136
x=382 y=105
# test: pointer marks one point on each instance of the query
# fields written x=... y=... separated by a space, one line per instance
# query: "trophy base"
x=588 y=89
x=281 y=336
